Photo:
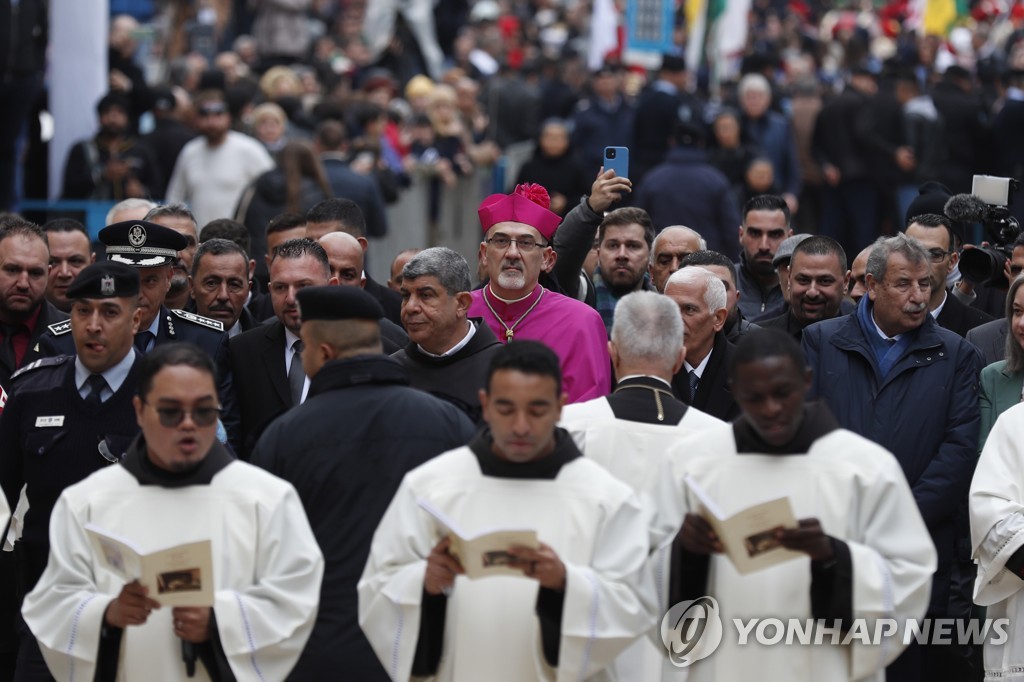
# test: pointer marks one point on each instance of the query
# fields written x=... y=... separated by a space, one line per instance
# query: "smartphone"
x=617 y=159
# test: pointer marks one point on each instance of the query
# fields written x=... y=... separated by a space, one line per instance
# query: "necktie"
x=694 y=380
x=7 y=354
x=142 y=341
x=96 y=384
x=296 y=375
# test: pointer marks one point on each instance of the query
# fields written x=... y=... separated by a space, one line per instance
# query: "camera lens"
x=611 y=153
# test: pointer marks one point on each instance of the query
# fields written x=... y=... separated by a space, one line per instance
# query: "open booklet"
x=749 y=535
x=484 y=553
x=175 y=576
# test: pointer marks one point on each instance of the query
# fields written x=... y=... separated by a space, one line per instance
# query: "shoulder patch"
x=209 y=322
x=40 y=363
x=58 y=328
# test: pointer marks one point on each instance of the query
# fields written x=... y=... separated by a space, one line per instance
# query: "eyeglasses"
x=524 y=244
x=172 y=417
x=938 y=255
x=212 y=111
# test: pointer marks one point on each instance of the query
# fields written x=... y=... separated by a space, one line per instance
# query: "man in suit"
x=220 y=285
x=344 y=215
x=329 y=143
x=24 y=311
x=345 y=255
x=257 y=302
x=935 y=234
x=268 y=359
x=701 y=382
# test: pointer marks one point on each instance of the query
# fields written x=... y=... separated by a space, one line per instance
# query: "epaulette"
x=42 y=362
x=213 y=324
x=58 y=328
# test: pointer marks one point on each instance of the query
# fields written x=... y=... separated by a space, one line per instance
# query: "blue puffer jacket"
x=925 y=412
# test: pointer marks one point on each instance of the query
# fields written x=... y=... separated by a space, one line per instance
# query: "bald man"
x=857 y=271
x=345 y=254
x=670 y=247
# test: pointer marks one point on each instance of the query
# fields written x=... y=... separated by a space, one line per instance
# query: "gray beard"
x=510 y=280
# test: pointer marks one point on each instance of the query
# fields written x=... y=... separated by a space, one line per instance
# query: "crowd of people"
x=779 y=299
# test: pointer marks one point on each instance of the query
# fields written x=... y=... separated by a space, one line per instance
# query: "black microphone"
x=188 y=654
x=965 y=208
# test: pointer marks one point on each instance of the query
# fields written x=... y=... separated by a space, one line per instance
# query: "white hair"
x=754 y=81
x=647 y=326
x=714 y=291
x=700 y=240
x=143 y=206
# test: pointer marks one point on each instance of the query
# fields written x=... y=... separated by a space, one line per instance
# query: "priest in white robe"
x=581 y=598
x=864 y=552
x=177 y=484
x=997 y=539
x=631 y=434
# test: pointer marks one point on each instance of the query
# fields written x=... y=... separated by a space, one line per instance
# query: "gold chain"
x=510 y=330
x=657 y=397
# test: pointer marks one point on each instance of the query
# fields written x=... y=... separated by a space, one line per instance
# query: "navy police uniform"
x=54 y=433
x=142 y=244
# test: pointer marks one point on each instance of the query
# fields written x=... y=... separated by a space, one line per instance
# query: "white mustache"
x=915 y=308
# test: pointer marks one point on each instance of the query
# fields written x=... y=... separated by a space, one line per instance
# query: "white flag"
x=604 y=33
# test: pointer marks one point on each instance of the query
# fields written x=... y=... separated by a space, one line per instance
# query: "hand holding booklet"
x=749 y=535
x=484 y=553
x=175 y=576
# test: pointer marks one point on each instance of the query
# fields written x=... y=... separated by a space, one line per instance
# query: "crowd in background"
x=843 y=110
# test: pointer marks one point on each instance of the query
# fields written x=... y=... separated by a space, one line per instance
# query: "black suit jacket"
x=389 y=299
x=713 y=395
x=260 y=305
x=960 y=318
x=990 y=339
x=261 y=381
x=48 y=315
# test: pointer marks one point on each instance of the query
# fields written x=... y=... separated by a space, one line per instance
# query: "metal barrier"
x=456 y=227
x=93 y=214
x=409 y=226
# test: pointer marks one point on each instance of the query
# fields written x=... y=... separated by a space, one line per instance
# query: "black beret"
x=105 y=279
x=142 y=243
x=337 y=303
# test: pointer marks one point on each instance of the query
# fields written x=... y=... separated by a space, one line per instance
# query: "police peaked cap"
x=142 y=244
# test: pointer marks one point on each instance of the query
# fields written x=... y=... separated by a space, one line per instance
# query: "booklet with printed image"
x=749 y=535
x=175 y=576
x=484 y=553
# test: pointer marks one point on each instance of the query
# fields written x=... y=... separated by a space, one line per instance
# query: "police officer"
x=68 y=416
x=152 y=249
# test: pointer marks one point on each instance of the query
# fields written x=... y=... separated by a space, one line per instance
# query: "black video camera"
x=988 y=204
